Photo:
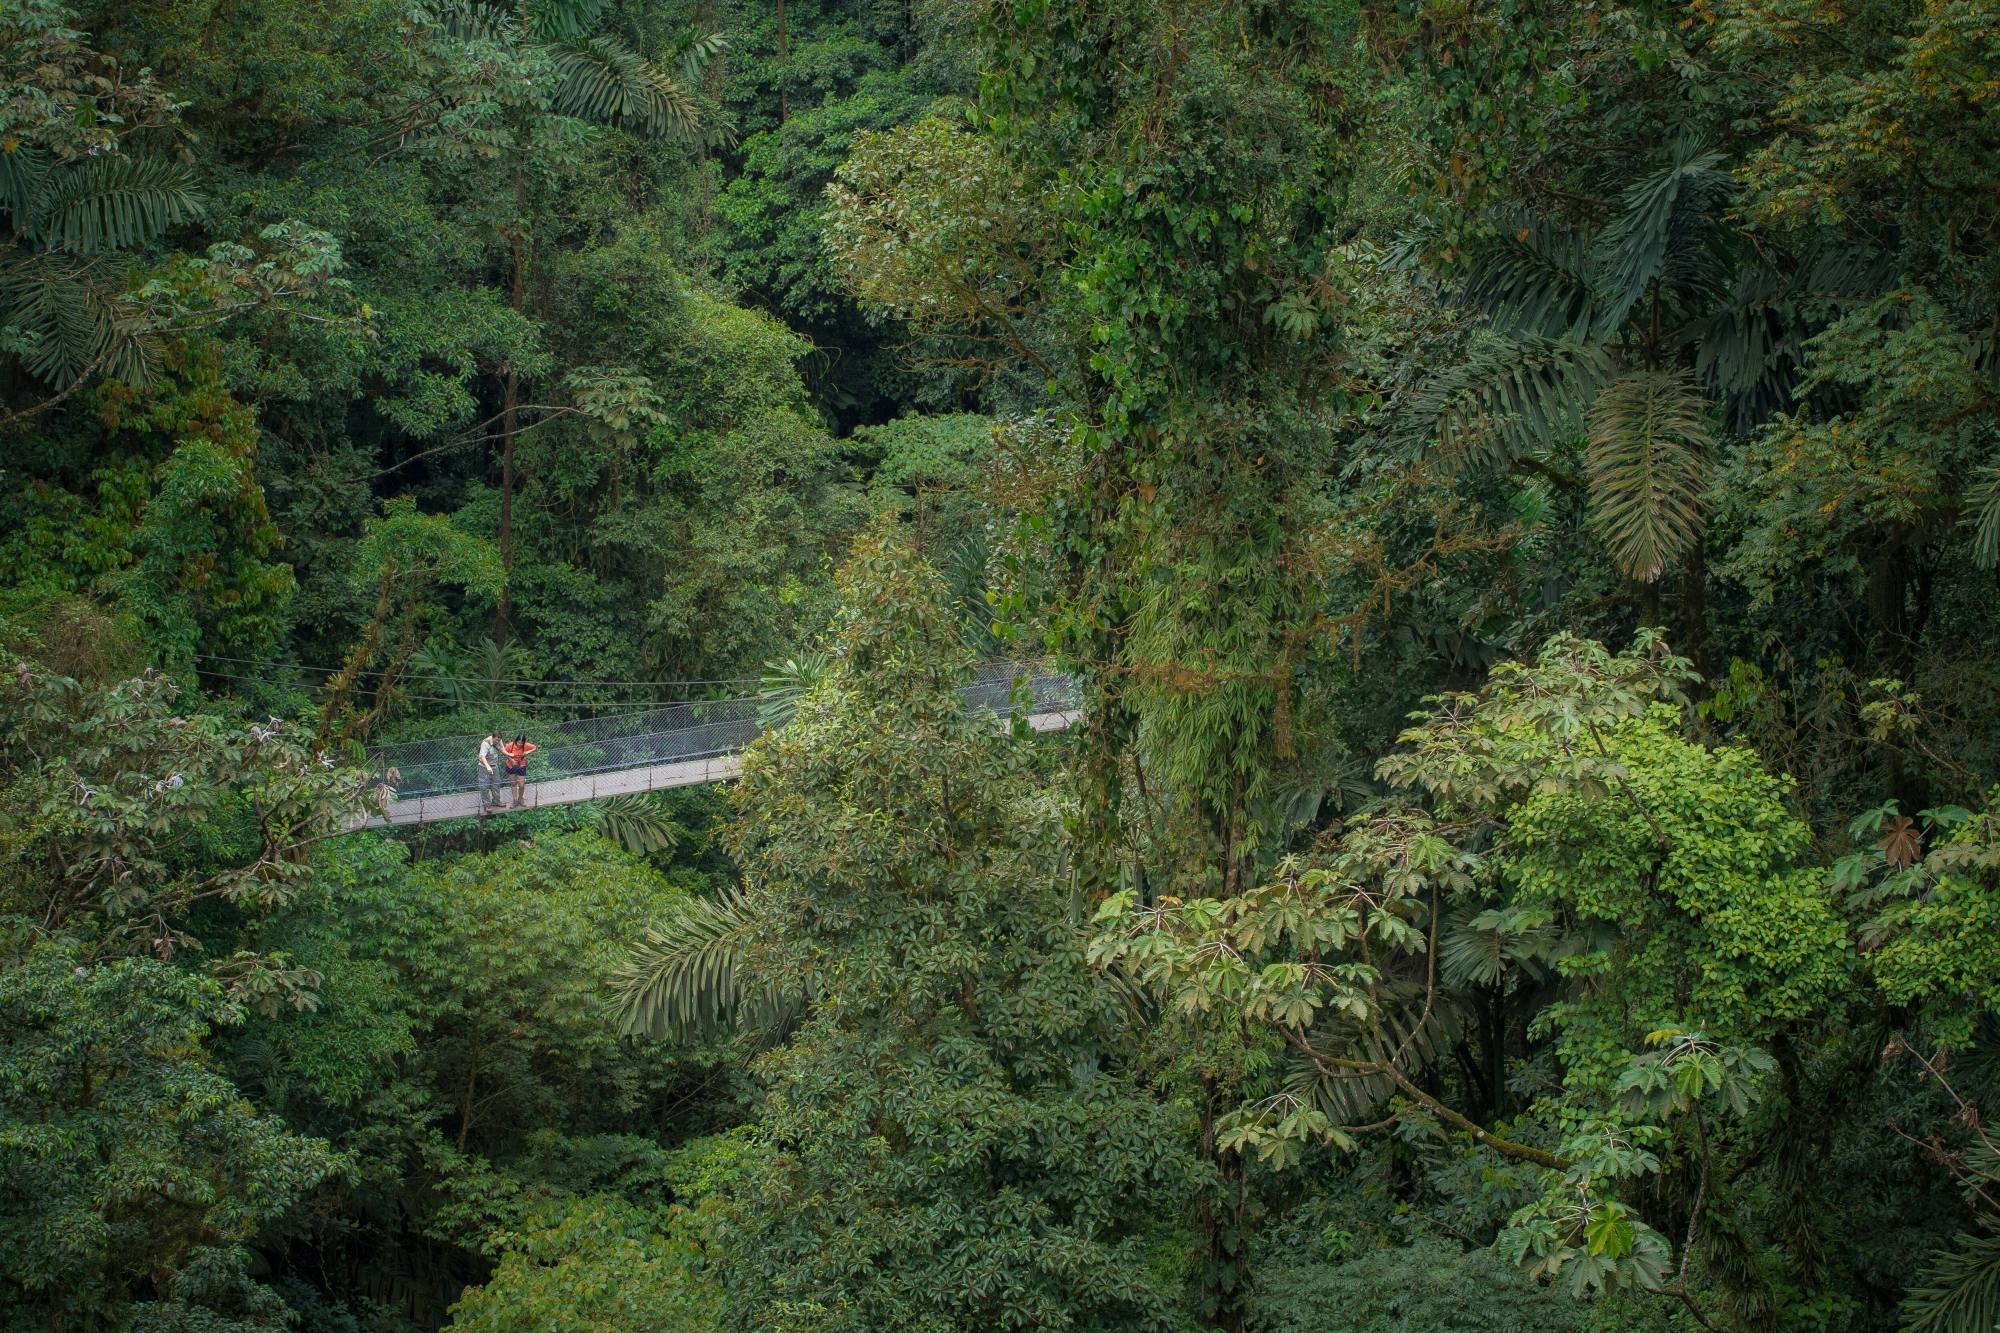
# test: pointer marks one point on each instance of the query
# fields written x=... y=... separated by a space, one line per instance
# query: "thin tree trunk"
x=784 y=53
x=1694 y=606
x=1493 y=1032
x=510 y=391
x=510 y=400
x=337 y=706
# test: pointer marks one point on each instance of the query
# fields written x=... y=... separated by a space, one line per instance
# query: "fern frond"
x=1659 y=226
x=688 y=976
x=1649 y=445
x=114 y=203
x=1959 y=1291
x=1535 y=280
x=606 y=81
x=1507 y=398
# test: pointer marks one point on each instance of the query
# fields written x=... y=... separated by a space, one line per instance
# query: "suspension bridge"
x=677 y=745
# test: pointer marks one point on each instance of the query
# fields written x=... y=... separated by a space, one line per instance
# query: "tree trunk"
x=510 y=401
x=1649 y=604
x=1694 y=606
x=1219 y=1222
x=1889 y=581
x=784 y=53
x=510 y=395
x=1493 y=1035
x=1888 y=599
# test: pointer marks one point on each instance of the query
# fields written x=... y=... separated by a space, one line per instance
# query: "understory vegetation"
x=1514 y=487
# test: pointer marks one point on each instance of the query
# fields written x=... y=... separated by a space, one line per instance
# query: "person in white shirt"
x=489 y=771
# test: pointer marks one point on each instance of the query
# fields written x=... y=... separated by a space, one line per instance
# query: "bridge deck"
x=596 y=786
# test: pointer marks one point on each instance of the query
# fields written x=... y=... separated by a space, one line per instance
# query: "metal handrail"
x=712 y=727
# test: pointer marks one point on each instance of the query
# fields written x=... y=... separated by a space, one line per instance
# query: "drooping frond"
x=639 y=824
x=1661 y=231
x=112 y=203
x=1329 y=779
x=784 y=683
x=73 y=322
x=1535 y=281
x=1983 y=516
x=1349 y=1101
x=688 y=975
x=1959 y=1291
x=606 y=81
x=1480 y=947
x=21 y=175
x=699 y=53
x=470 y=20
x=1749 y=348
x=1507 y=398
x=1845 y=275
x=566 y=18
x=965 y=573
x=1649 y=445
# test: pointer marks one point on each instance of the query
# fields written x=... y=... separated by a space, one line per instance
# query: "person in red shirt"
x=516 y=753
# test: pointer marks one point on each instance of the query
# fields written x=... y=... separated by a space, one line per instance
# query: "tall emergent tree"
x=951 y=1143
x=1197 y=159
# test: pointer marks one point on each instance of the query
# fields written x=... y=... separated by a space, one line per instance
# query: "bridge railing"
x=698 y=729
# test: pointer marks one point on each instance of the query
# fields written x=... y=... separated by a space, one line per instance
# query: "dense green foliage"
x=1517 y=489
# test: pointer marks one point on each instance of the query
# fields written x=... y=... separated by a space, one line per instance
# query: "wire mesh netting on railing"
x=698 y=729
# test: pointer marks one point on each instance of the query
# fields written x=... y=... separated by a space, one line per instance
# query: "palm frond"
x=639 y=824
x=566 y=18
x=113 y=202
x=784 y=683
x=688 y=976
x=1506 y=399
x=1348 y=1101
x=1983 y=515
x=438 y=666
x=698 y=53
x=73 y=322
x=965 y=574
x=1845 y=275
x=1959 y=1291
x=1649 y=444
x=469 y=20
x=606 y=81
x=1660 y=227
x=1535 y=280
x=21 y=175
x=1481 y=947
x=1748 y=348
x=493 y=671
x=1331 y=779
